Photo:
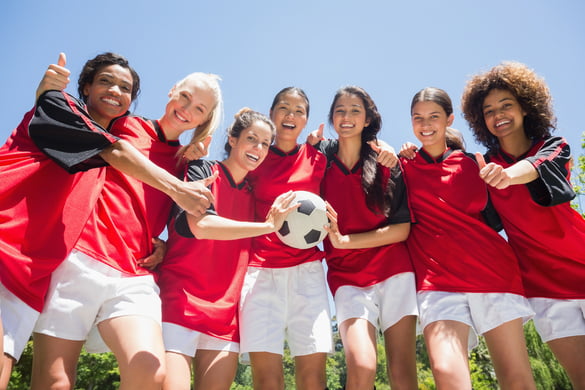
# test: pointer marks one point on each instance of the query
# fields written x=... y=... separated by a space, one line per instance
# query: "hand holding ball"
x=303 y=227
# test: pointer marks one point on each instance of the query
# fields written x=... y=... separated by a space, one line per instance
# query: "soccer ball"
x=303 y=227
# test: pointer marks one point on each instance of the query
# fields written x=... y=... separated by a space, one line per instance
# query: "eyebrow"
x=499 y=101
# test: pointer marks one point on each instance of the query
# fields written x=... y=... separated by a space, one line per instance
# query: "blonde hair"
x=204 y=130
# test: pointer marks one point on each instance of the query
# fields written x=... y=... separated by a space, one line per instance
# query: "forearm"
x=214 y=227
x=522 y=172
x=386 y=235
x=128 y=160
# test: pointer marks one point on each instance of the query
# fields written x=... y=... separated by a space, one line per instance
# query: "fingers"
x=210 y=179
x=480 y=160
x=62 y=61
x=408 y=150
x=320 y=131
x=374 y=146
x=316 y=136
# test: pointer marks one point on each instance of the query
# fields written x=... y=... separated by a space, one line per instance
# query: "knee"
x=146 y=370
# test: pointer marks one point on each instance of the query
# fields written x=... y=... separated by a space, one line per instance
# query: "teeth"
x=289 y=125
x=502 y=123
x=111 y=101
x=251 y=156
x=427 y=133
x=182 y=119
x=346 y=126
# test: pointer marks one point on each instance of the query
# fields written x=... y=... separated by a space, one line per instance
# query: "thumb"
x=374 y=146
x=320 y=131
x=210 y=179
x=480 y=160
x=207 y=142
x=62 y=60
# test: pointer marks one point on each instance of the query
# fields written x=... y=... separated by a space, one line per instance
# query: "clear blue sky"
x=390 y=48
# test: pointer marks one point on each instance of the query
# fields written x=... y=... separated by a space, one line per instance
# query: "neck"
x=515 y=144
x=170 y=133
x=349 y=151
x=238 y=173
x=436 y=150
x=285 y=146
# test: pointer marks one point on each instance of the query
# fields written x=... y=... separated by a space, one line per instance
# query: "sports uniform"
x=547 y=235
x=201 y=280
x=47 y=194
x=452 y=248
x=369 y=266
x=118 y=232
x=285 y=287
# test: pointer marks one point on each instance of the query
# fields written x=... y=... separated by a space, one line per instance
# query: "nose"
x=115 y=89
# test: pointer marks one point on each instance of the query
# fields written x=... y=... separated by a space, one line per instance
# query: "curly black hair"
x=527 y=87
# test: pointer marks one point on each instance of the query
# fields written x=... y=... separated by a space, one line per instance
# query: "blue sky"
x=390 y=48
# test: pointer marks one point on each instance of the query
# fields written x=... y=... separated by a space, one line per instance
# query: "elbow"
x=403 y=232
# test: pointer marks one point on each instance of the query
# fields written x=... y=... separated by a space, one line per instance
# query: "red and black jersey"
x=547 y=235
x=342 y=188
x=45 y=199
x=299 y=170
x=128 y=213
x=201 y=280
x=450 y=245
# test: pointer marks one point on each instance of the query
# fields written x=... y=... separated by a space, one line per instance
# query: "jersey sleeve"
x=399 y=208
x=328 y=147
x=552 y=164
x=196 y=170
x=64 y=131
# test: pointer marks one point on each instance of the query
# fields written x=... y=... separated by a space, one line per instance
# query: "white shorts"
x=285 y=301
x=18 y=321
x=558 y=318
x=187 y=341
x=481 y=311
x=85 y=292
x=382 y=304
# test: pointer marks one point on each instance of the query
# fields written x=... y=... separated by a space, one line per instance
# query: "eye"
x=126 y=88
x=265 y=145
x=488 y=113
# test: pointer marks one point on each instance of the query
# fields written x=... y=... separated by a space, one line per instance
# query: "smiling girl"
x=202 y=275
x=509 y=109
x=102 y=285
x=368 y=266
x=468 y=278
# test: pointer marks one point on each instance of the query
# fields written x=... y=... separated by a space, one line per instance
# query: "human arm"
x=386 y=155
x=56 y=77
x=215 y=227
x=385 y=235
x=156 y=257
x=194 y=197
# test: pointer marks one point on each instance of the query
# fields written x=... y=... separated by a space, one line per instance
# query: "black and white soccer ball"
x=303 y=227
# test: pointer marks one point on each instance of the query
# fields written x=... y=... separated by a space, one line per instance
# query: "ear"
x=172 y=90
x=86 y=90
x=450 y=120
x=232 y=141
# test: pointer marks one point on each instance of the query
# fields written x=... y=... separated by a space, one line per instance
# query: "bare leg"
x=54 y=362
x=137 y=344
x=400 y=342
x=178 y=371
x=570 y=352
x=509 y=355
x=447 y=346
x=310 y=371
x=267 y=371
x=359 y=342
x=214 y=370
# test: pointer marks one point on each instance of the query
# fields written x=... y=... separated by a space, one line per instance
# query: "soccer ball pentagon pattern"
x=303 y=227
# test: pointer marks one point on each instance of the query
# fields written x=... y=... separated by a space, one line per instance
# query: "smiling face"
x=109 y=95
x=349 y=116
x=429 y=124
x=250 y=148
x=503 y=115
x=190 y=104
x=289 y=115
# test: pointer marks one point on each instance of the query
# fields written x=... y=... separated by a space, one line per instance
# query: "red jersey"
x=128 y=213
x=451 y=246
x=201 y=280
x=547 y=235
x=45 y=198
x=299 y=170
x=342 y=188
